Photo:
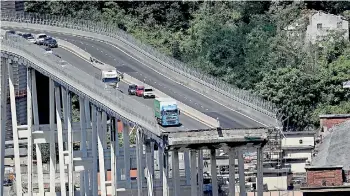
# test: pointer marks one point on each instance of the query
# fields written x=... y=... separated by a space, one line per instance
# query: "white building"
x=321 y=24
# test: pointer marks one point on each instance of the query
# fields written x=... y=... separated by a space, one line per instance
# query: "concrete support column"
x=165 y=173
x=200 y=172
x=68 y=107
x=101 y=131
x=232 y=180
x=139 y=143
x=260 y=182
x=30 y=130
x=36 y=123
x=214 y=178
x=15 y=130
x=88 y=126
x=194 y=172
x=84 y=178
x=152 y=158
x=242 y=189
x=149 y=175
x=114 y=147
x=160 y=162
x=176 y=176
x=187 y=166
x=3 y=117
x=94 y=150
x=52 y=137
x=60 y=140
x=126 y=143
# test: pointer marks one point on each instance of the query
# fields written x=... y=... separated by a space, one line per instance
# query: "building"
x=315 y=25
x=321 y=24
x=12 y=6
x=328 y=173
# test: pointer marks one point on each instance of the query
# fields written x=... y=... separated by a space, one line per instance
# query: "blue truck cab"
x=166 y=111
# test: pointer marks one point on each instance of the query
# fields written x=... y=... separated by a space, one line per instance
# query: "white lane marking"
x=171 y=79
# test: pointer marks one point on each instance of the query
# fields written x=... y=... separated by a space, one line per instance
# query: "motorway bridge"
x=243 y=118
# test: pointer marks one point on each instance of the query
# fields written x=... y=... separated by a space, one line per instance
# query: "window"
x=319 y=26
x=300 y=141
x=339 y=24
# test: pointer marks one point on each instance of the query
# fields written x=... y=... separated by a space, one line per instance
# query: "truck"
x=166 y=111
x=107 y=73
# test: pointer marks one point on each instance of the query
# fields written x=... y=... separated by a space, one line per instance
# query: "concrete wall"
x=294 y=140
x=298 y=167
x=328 y=22
x=298 y=153
x=275 y=182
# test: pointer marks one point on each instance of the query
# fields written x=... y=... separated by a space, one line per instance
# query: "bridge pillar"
x=52 y=137
x=232 y=179
x=3 y=117
x=200 y=172
x=242 y=191
x=214 y=178
x=187 y=166
x=139 y=155
x=14 y=129
x=260 y=183
x=30 y=130
x=95 y=129
x=84 y=178
x=149 y=161
x=126 y=144
x=194 y=173
x=175 y=171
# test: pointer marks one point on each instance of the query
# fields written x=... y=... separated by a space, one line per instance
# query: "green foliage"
x=244 y=43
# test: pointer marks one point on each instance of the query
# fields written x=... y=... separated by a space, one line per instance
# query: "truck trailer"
x=166 y=111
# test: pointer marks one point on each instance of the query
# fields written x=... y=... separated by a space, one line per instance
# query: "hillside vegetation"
x=242 y=43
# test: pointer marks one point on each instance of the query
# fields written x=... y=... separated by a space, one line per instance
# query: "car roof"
x=132 y=85
x=47 y=49
x=140 y=87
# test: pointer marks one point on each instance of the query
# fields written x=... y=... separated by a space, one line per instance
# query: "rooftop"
x=334 y=148
x=335 y=116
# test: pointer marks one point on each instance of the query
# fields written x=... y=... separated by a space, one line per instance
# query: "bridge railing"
x=112 y=101
x=227 y=92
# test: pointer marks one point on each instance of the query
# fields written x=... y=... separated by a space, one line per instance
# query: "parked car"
x=29 y=37
x=39 y=38
x=139 y=91
x=48 y=50
x=50 y=42
x=132 y=89
x=148 y=93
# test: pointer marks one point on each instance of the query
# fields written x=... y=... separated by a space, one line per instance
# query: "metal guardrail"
x=227 y=91
x=112 y=101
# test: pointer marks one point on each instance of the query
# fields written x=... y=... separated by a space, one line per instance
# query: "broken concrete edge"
x=216 y=136
x=189 y=111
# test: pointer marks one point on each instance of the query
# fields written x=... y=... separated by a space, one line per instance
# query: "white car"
x=148 y=93
x=39 y=38
x=29 y=37
x=48 y=51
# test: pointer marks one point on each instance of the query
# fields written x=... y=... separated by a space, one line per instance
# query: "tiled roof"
x=335 y=147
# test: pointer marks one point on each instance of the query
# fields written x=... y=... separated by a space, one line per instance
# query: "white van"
x=39 y=38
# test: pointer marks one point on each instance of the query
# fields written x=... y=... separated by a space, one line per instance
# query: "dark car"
x=132 y=89
x=29 y=37
x=50 y=42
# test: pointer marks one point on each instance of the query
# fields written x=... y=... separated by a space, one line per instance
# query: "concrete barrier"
x=185 y=109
